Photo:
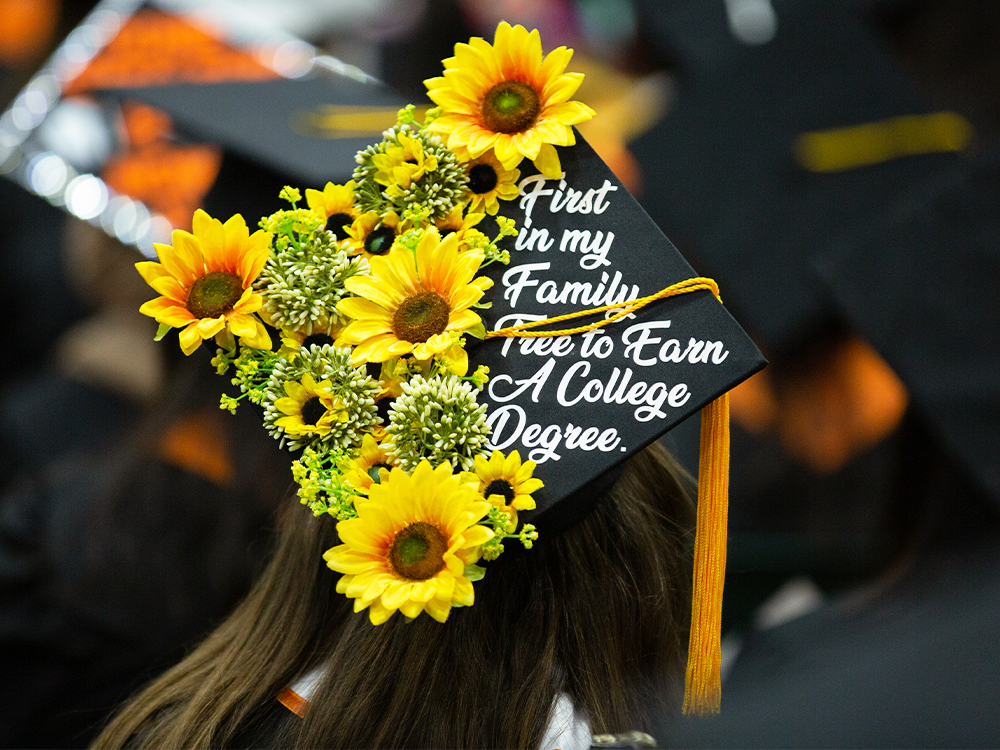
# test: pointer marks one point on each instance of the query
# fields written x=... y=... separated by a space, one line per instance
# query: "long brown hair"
x=596 y=612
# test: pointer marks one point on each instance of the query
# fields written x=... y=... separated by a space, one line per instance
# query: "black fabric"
x=921 y=286
x=720 y=173
x=911 y=661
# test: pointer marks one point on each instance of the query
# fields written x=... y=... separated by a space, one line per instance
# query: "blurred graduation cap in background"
x=776 y=143
x=775 y=146
x=920 y=284
x=175 y=116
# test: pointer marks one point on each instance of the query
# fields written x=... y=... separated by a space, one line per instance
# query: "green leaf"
x=474 y=572
x=478 y=330
x=162 y=331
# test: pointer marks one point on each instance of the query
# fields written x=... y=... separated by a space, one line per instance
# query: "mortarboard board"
x=920 y=286
x=634 y=340
x=732 y=171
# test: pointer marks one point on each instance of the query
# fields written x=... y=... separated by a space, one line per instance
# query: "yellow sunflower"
x=372 y=234
x=309 y=407
x=457 y=224
x=490 y=183
x=507 y=483
x=400 y=166
x=335 y=203
x=507 y=99
x=370 y=467
x=414 y=303
x=410 y=543
x=205 y=278
x=293 y=340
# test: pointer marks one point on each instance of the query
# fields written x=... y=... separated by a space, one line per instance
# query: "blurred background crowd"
x=833 y=165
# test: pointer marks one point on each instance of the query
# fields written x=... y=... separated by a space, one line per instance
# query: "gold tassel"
x=703 y=683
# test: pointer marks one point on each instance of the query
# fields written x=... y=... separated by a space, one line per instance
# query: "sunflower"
x=335 y=203
x=205 y=278
x=410 y=543
x=293 y=340
x=507 y=483
x=414 y=302
x=310 y=408
x=370 y=467
x=507 y=99
x=489 y=183
x=373 y=234
x=402 y=165
x=457 y=224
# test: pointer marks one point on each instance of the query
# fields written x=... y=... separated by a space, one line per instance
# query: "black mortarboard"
x=731 y=176
x=308 y=128
x=623 y=386
x=920 y=285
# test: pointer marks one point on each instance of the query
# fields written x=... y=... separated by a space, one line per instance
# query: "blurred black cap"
x=759 y=162
x=921 y=286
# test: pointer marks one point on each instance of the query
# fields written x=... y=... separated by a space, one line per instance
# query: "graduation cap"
x=598 y=337
x=770 y=150
x=920 y=286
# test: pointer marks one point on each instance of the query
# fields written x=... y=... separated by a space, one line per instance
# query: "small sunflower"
x=507 y=99
x=402 y=165
x=206 y=280
x=370 y=467
x=373 y=234
x=408 y=547
x=507 y=483
x=414 y=303
x=293 y=340
x=490 y=183
x=310 y=382
x=309 y=408
x=335 y=203
x=457 y=224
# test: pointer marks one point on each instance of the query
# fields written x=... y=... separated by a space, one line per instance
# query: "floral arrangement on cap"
x=373 y=288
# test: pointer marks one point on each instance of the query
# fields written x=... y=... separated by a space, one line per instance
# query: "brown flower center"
x=313 y=411
x=510 y=107
x=338 y=224
x=214 y=293
x=482 y=179
x=379 y=242
x=421 y=317
x=417 y=552
x=500 y=487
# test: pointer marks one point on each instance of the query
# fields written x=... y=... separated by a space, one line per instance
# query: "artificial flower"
x=309 y=408
x=206 y=279
x=335 y=203
x=437 y=419
x=458 y=223
x=408 y=547
x=414 y=302
x=401 y=165
x=370 y=467
x=489 y=183
x=507 y=483
x=372 y=234
x=508 y=99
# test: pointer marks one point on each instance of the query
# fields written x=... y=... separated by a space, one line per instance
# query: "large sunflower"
x=205 y=278
x=335 y=203
x=415 y=302
x=507 y=483
x=410 y=543
x=506 y=98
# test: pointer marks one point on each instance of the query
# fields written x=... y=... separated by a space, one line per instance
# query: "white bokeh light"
x=86 y=196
